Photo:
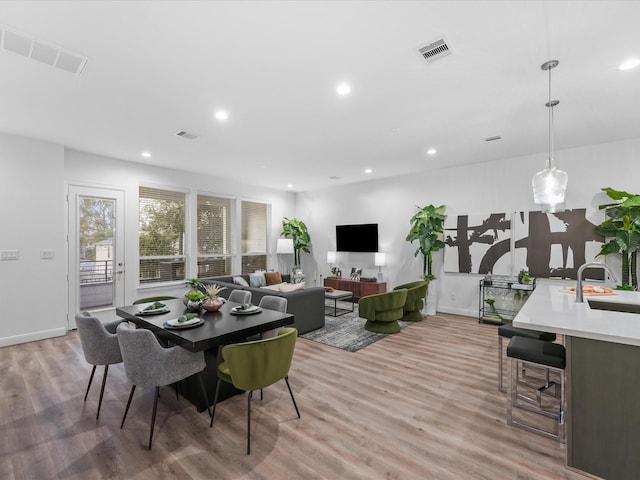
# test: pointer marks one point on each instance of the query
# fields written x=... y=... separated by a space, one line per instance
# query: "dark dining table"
x=218 y=329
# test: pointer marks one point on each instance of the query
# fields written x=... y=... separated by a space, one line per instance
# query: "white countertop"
x=549 y=309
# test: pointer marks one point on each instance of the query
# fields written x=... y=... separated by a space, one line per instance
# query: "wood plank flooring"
x=420 y=404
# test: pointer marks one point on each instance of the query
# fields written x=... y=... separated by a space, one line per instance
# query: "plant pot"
x=212 y=304
x=194 y=306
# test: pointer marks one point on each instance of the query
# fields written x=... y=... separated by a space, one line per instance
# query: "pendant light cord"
x=550 y=162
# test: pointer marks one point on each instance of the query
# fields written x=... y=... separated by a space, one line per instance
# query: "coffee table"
x=336 y=295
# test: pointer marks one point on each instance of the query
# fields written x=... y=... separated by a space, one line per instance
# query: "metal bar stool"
x=523 y=351
x=509 y=331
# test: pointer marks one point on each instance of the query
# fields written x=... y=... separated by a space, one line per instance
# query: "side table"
x=336 y=295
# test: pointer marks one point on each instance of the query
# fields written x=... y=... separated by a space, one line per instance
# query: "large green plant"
x=297 y=231
x=622 y=228
x=427 y=228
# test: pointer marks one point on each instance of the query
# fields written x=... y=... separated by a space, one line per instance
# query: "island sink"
x=614 y=306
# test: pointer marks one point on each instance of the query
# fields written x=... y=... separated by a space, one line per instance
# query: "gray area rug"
x=346 y=331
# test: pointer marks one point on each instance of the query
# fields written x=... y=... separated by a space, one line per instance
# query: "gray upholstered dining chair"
x=240 y=296
x=272 y=302
x=100 y=346
x=149 y=364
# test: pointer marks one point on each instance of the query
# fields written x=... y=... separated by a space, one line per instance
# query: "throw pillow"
x=257 y=279
x=291 y=287
x=273 y=278
x=240 y=281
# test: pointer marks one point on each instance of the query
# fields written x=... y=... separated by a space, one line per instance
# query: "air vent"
x=334 y=178
x=41 y=51
x=187 y=135
x=491 y=139
x=435 y=50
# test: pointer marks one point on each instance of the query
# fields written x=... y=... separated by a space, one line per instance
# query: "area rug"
x=346 y=331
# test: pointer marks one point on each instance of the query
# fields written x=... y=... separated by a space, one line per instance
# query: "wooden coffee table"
x=336 y=295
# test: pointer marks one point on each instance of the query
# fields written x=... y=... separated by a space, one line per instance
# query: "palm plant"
x=297 y=231
x=427 y=227
x=622 y=228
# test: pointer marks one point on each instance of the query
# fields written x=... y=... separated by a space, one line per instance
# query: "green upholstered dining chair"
x=416 y=291
x=255 y=365
x=153 y=299
x=383 y=311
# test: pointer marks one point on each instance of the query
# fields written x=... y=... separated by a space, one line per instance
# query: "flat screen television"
x=357 y=238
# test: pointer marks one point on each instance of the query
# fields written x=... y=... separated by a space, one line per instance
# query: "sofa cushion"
x=291 y=287
x=240 y=281
x=275 y=287
x=257 y=279
x=272 y=278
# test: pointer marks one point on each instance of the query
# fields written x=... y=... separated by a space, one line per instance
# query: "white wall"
x=33 y=297
x=503 y=185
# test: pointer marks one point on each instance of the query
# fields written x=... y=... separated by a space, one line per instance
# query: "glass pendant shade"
x=549 y=187
x=550 y=184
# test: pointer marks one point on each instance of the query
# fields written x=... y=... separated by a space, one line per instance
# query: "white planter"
x=431 y=301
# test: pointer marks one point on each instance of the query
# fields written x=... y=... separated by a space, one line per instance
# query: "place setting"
x=156 y=308
x=245 y=309
x=188 y=320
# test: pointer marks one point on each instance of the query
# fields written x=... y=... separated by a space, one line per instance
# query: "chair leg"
x=286 y=379
x=93 y=370
x=153 y=414
x=261 y=395
x=215 y=401
x=104 y=381
x=249 y=395
x=126 y=410
x=204 y=393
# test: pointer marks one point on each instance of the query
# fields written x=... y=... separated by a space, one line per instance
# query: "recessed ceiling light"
x=629 y=64
x=368 y=170
x=222 y=115
x=289 y=185
x=146 y=154
x=432 y=151
x=343 y=89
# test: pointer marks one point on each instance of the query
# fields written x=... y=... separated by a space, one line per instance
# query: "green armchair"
x=416 y=291
x=382 y=311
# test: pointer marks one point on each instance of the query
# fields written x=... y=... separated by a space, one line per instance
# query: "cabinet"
x=501 y=298
x=358 y=288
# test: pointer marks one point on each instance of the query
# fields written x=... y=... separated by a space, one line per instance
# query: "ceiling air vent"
x=435 y=50
x=492 y=139
x=41 y=51
x=187 y=135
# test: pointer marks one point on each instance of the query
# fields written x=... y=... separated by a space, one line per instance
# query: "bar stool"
x=523 y=351
x=509 y=331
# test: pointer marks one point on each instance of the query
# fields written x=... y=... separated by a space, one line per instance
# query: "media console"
x=358 y=288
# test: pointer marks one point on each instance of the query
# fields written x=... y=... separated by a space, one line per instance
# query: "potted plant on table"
x=427 y=228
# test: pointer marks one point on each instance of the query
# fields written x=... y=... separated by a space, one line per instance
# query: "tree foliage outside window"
x=96 y=224
x=214 y=236
x=162 y=227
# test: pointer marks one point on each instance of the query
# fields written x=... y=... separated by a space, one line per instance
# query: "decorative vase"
x=194 y=306
x=212 y=304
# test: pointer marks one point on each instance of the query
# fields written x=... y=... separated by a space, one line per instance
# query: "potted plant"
x=622 y=228
x=297 y=231
x=427 y=228
x=213 y=302
x=524 y=277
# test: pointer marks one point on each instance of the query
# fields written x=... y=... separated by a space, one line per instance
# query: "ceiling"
x=157 y=68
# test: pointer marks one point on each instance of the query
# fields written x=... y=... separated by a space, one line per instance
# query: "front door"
x=96 y=253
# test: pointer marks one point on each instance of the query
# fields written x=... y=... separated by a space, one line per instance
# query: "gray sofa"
x=307 y=305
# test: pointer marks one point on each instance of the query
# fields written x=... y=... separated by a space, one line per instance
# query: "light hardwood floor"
x=421 y=404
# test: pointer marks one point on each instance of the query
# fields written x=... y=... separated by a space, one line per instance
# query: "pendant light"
x=550 y=184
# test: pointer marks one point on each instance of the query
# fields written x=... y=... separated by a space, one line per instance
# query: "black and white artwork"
x=478 y=244
x=545 y=244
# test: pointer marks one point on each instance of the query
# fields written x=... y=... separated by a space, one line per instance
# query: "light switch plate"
x=9 y=254
x=46 y=254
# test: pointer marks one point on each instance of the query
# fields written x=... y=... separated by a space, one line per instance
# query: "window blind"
x=254 y=236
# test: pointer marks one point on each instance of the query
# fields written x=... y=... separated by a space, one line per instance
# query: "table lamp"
x=379 y=261
x=284 y=246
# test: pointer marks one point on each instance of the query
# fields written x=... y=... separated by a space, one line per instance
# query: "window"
x=214 y=236
x=161 y=223
x=254 y=236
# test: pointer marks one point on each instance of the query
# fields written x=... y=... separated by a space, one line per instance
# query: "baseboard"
x=458 y=311
x=32 y=337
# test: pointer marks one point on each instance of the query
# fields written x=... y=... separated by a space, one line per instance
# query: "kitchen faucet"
x=579 y=296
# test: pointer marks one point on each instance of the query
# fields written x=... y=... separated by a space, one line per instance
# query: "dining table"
x=216 y=329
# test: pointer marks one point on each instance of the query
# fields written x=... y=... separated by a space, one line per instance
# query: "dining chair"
x=240 y=296
x=254 y=365
x=100 y=346
x=273 y=302
x=149 y=364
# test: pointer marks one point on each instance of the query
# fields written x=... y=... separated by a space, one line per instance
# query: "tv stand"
x=358 y=288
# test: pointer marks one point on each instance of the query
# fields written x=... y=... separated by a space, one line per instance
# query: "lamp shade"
x=332 y=257
x=380 y=259
x=284 y=245
x=549 y=187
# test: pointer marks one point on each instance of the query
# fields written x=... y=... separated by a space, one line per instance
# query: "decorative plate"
x=246 y=310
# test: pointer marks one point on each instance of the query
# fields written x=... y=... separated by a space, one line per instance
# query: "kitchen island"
x=603 y=375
